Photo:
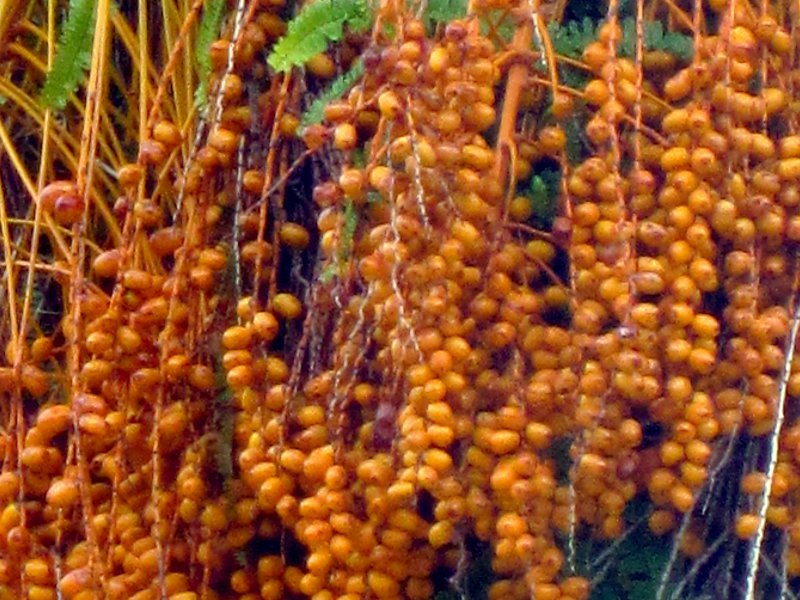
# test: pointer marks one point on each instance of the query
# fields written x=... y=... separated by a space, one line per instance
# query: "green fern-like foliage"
x=348 y=230
x=571 y=38
x=543 y=197
x=206 y=34
x=344 y=253
x=318 y=24
x=335 y=90
x=655 y=38
x=444 y=11
x=73 y=54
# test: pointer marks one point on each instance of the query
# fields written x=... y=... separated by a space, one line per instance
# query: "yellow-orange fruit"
x=746 y=526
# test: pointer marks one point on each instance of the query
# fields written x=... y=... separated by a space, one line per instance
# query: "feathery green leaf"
x=318 y=24
x=224 y=424
x=343 y=255
x=207 y=32
x=348 y=230
x=73 y=54
x=335 y=90
x=543 y=197
x=571 y=39
x=444 y=11
x=655 y=38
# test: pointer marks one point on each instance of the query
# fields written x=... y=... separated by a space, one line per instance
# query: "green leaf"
x=328 y=273
x=345 y=249
x=682 y=46
x=318 y=24
x=627 y=45
x=224 y=423
x=635 y=565
x=207 y=32
x=655 y=38
x=444 y=11
x=73 y=54
x=653 y=34
x=574 y=149
x=571 y=39
x=335 y=90
x=241 y=558
x=543 y=196
x=503 y=27
x=348 y=229
x=573 y=77
x=359 y=158
x=389 y=30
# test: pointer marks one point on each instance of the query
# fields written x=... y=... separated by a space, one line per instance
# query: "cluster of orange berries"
x=413 y=438
x=362 y=434
x=113 y=480
x=681 y=272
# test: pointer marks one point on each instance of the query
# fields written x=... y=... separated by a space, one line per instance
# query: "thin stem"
x=772 y=457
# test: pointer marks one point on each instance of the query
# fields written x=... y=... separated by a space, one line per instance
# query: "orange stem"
x=517 y=75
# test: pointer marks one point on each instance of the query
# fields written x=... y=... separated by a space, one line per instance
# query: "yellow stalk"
x=11 y=284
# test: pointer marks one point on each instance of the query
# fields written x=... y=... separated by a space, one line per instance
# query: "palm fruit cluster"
x=347 y=357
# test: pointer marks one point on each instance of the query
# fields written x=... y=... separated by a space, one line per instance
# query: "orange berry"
x=746 y=526
x=661 y=522
x=294 y=235
x=321 y=65
x=63 y=493
x=237 y=337
x=753 y=483
x=389 y=105
x=671 y=453
x=440 y=534
x=511 y=525
x=345 y=136
x=538 y=435
x=287 y=305
x=382 y=585
x=504 y=441
x=675 y=158
x=439 y=60
x=681 y=498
